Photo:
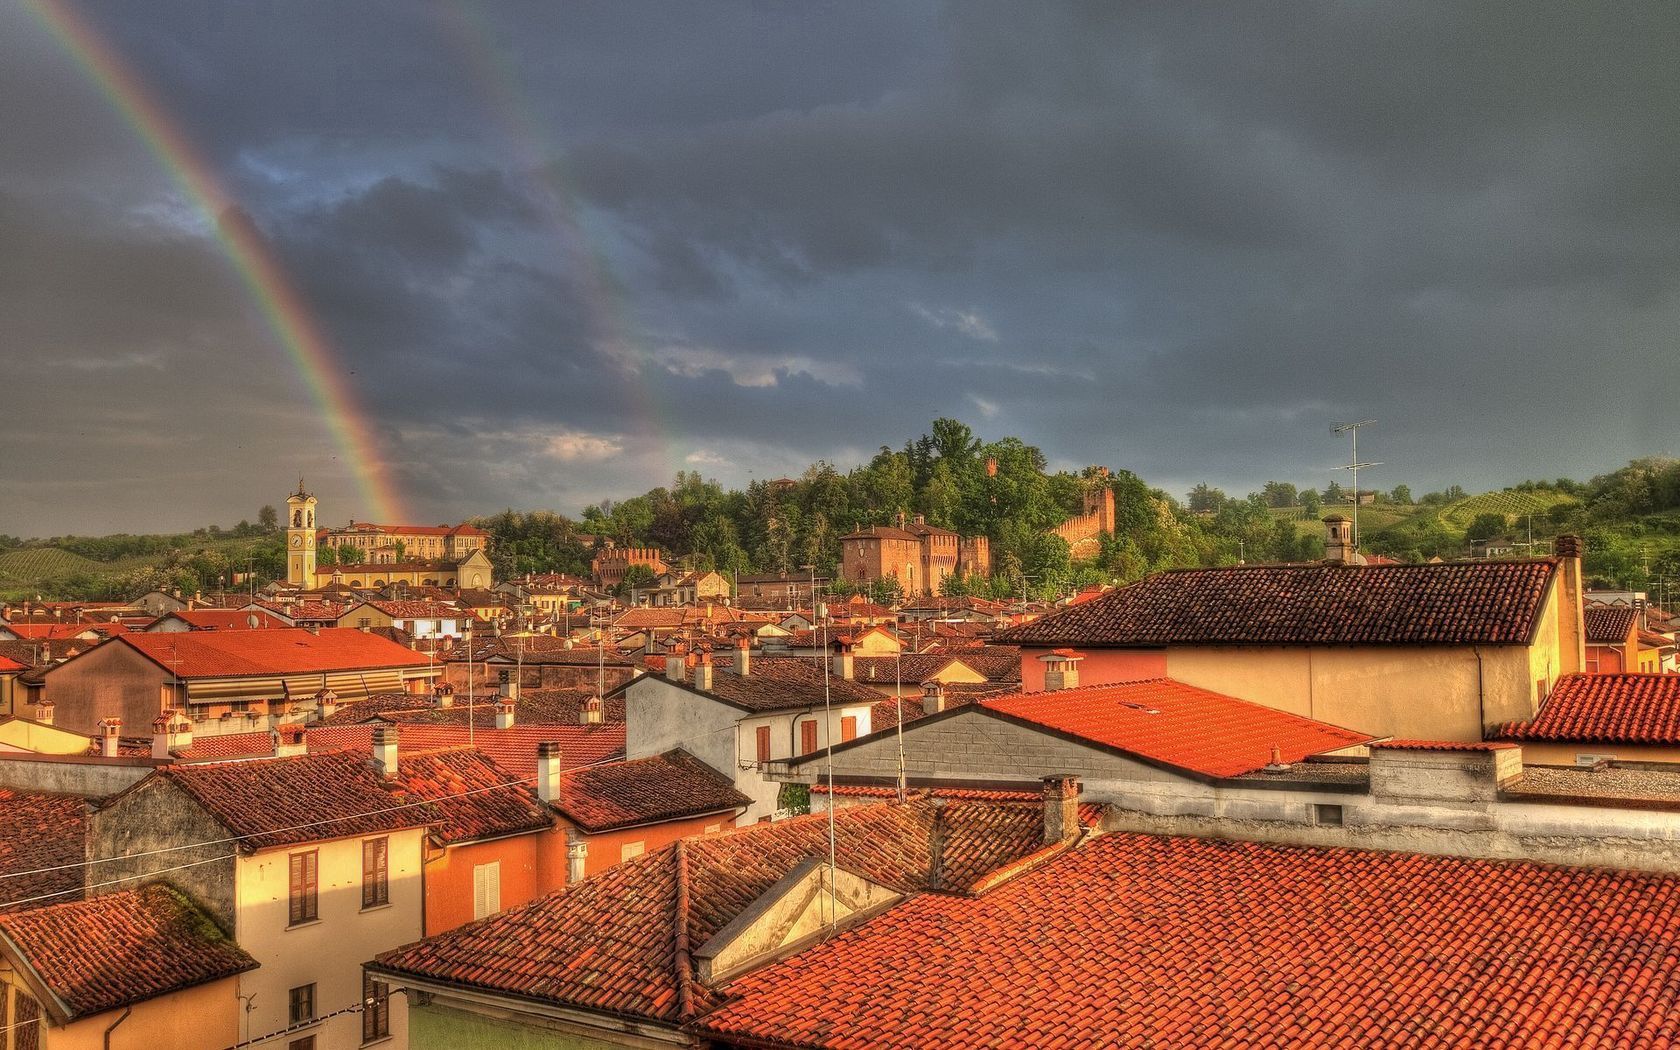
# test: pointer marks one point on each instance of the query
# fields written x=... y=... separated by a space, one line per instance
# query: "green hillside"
x=188 y=562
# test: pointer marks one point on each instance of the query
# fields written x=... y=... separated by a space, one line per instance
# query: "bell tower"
x=300 y=538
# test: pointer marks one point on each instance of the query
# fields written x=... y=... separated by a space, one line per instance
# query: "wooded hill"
x=1001 y=489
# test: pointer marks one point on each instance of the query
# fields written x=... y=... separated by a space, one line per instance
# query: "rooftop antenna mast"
x=1353 y=464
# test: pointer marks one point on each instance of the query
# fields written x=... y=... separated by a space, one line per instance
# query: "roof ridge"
x=682 y=960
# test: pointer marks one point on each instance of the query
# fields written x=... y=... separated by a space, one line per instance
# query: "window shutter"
x=848 y=727
x=487 y=889
x=763 y=744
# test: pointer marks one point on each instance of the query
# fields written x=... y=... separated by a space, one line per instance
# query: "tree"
x=1279 y=494
x=268 y=518
x=1310 y=506
x=1402 y=495
x=348 y=555
x=1485 y=527
x=636 y=577
x=1333 y=494
x=1204 y=499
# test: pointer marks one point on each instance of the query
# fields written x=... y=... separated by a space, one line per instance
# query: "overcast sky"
x=561 y=251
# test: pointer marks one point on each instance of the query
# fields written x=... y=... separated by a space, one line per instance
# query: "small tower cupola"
x=300 y=538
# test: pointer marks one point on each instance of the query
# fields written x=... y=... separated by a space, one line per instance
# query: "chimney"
x=170 y=732
x=326 y=703
x=288 y=741
x=933 y=697
x=921 y=519
x=1572 y=618
x=1061 y=669
x=110 y=730
x=577 y=855
x=743 y=656
x=1061 y=808
x=548 y=771
x=44 y=712
x=504 y=713
x=844 y=662
x=590 y=713
x=385 y=751
x=444 y=694
x=508 y=683
x=1338 y=541
x=703 y=672
x=674 y=667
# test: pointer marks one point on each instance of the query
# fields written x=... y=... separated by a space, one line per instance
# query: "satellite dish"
x=253 y=621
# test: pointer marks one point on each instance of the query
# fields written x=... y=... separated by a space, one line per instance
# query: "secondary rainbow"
x=282 y=307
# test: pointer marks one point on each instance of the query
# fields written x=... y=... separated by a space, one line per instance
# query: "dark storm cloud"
x=564 y=250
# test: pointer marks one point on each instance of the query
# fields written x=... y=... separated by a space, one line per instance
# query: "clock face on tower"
x=297 y=541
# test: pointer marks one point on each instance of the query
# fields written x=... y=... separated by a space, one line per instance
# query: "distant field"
x=41 y=567
x=1512 y=504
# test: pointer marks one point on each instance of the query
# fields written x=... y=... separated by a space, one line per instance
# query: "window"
x=306 y=1043
x=300 y=1004
x=1326 y=816
x=807 y=737
x=364 y=621
x=487 y=889
x=376 y=1009
x=632 y=849
x=763 y=744
x=376 y=874
x=305 y=871
x=848 y=727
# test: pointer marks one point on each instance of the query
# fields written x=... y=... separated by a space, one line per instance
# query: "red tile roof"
x=784 y=683
x=472 y=797
x=1178 y=725
x=38 y=830
x=310 y=798
x=1610 y=624
x=45 y=631
x=1190 y=942
x=513 y=749
x=226 y=654
x=1453 y=603
x=224 y=619
x=648 y=790
x=417 y=610
x=8 y=664
x=1441 y=745
x=619 y=942
x=121 y=948
x=1606 y=709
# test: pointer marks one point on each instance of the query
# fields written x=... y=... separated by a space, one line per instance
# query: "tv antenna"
x=1353 y=464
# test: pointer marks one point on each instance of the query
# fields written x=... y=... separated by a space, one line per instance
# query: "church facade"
x=417 y=555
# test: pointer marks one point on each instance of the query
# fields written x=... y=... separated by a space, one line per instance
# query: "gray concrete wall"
x=88 y=776
x=157 y=815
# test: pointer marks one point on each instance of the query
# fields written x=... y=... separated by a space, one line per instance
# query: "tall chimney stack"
x=504 y=713
x=44 y=712
x=385 y=751
x=1061 y=669
x=1061 y=808
x=591 y=714
x=703 y=672
x=845 y=662
x=110 y=733
x=933 y=697
x=743 y=656
x=1572 y=596
x=548 y=771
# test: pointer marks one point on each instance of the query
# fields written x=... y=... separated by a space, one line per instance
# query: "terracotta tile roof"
x=55 y=631
x=619 y=942
x=1191 y=942
x=1453 y=603
x=1090 y=813
x=1178 y=725
x=557 y=655
x=221 y=654
x=307 y=610
x=534 y=707
x=782 y=683
x=224 y=619
x=1606 y=709
x=472 y=797
x=8 y=664
x=648 y=790
x=514 y=749
x=38 y=830
x=417 y=610
x=639 y=619
x=268 y=802
x=121 y=948
x=1610 y=624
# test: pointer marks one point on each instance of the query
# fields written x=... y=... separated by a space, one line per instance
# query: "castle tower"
x=300 y=538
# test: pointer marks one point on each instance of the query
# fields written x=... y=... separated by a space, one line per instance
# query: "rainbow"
x=541 y=161
x=282 y=307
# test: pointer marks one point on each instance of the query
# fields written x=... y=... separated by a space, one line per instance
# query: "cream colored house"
x=324 y=873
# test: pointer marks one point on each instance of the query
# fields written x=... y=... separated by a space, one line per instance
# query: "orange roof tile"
x=40 y=830
x=1606 y=709
x=230 y=654
x=1178 y=725
x=1153 y=941
x=648 y=790
x=120 y=948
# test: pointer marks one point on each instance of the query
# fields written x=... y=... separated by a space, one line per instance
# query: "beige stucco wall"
x=329 y=952
x=1420 y=692
x=205 y=1017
